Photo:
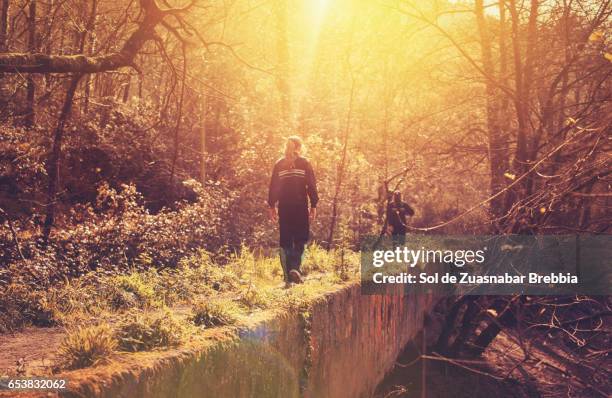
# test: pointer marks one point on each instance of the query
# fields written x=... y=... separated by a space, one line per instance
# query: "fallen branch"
x=456 y=362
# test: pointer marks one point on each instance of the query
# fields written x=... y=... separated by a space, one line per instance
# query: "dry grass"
x=143 y=332
x=86 y=346
x=211 y=313
x=137 y=305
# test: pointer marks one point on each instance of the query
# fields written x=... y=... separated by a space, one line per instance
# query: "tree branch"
x=43 y=63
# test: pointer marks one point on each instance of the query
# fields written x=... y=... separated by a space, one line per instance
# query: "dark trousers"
x=399 y=238
x=294 y=233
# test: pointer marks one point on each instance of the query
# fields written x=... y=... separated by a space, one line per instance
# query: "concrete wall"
x=341 y=347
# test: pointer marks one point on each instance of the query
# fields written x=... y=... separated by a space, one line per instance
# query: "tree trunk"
x=53 y=164
x=4 y=23
x=449 y=327
x=524 y=75
x=497 y=149
x=486 y=337
x=467 y=328
x=177 y=126
x=504 y=104
x=203 y=141
x=81 y=64
x=126 y=90
x=91 y=50
x=341 y=167
x=47 y=47
x=282 y=48
x=30 y=116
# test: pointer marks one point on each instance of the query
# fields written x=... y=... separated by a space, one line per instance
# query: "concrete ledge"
x=341 y=347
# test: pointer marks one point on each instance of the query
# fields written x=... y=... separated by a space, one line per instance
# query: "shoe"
x=295 y=277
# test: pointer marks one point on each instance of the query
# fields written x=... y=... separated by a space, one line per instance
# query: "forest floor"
x=30 y=352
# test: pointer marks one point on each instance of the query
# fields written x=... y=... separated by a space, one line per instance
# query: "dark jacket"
x=293 y=183
x=396 y=216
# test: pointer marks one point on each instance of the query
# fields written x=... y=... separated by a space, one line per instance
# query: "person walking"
x=397 y=211
x=292 y=186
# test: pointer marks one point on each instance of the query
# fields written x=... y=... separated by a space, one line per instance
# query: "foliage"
x=120 y=234
x=131 y=290
x=294 y=300
x=317 y=259
x=19 y=305
x=342 y=261
x=145 y=332
x=211 y=313
x=196 y=278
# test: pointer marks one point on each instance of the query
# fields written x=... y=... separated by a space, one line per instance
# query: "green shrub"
x=178 y=285
x=241 y=263
x=346 y=264
x=86 y=346
x=115 y=232
x=127 y=291
x=202 y=273
x=145 y=332
x=268 y=268
x=212 y=313
x=249 y=264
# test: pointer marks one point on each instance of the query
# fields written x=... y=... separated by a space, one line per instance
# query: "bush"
x=76 y=299
x=127 y=291
x=86 y=346
x=117 y=234
x=214 y=313
x=145 y=332
x=20 y=305
x=201 y=272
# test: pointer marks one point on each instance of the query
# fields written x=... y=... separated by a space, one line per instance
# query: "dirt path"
x=29 y=352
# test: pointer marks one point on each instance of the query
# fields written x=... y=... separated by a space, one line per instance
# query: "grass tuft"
x=86 y=346
x=132 y=290
x=212 y=313
x=146 y=332
x=252 y=297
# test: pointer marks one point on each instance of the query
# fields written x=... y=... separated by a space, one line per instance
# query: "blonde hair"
x=293 y=147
